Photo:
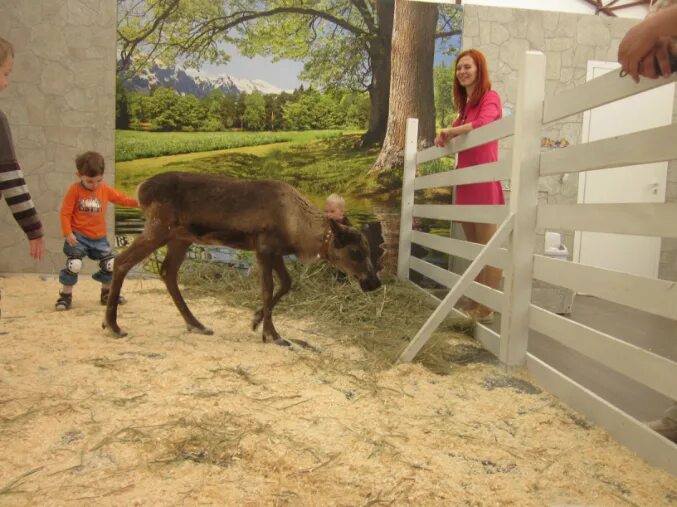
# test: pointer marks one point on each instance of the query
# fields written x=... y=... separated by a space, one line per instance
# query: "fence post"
x=407 y=212
x=523 y=203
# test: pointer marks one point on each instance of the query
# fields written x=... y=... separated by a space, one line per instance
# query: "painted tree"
x=343 y=43
x=121 y=106
x=411 y=84
x=254 y=117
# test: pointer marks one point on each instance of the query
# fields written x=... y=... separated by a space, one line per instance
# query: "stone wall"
x=569 y=41
x=60 y=102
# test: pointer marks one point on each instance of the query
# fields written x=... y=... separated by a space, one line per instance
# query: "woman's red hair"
x=482 y=83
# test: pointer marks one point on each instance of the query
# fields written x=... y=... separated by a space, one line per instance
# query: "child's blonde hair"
x=336 y=199
x=6 y=50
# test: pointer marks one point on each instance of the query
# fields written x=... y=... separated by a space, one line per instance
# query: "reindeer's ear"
x=340 y=235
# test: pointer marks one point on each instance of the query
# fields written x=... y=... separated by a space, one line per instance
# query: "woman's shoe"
x=487 y=318
x=483 y=317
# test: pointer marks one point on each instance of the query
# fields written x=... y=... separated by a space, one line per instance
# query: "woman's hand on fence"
x=442 y=138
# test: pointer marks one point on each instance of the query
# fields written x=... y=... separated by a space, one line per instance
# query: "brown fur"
x=269 y=217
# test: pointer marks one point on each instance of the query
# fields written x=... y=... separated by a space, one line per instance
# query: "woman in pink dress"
x=477 y=105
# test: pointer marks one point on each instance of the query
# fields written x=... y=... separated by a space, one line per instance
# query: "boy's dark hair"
x=90 y=164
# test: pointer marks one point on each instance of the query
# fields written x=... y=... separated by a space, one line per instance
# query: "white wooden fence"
x=512 y=247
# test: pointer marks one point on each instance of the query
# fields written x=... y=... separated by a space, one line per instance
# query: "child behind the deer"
x=335 y=208
x=83 y=224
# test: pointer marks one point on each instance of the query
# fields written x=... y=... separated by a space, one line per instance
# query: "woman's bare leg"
x=490 y=275
x=470 y=230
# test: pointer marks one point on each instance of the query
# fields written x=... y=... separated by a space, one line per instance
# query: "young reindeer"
x=270 y=217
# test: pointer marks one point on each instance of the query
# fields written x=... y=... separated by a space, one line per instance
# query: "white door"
x=638 y=255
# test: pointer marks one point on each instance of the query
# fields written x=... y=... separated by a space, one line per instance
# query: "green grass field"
x=315 y=167
x=132 y=145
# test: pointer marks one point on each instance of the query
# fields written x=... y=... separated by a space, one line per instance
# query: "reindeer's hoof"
x=201 y=330
x=304 y=344
x=114 y=330
x=256 y=321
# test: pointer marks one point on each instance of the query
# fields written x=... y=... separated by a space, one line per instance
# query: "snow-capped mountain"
x=191 y=81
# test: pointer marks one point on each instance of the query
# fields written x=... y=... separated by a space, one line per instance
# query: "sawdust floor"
x=165 y=417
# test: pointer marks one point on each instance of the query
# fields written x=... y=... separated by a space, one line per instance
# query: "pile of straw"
x=381 y=323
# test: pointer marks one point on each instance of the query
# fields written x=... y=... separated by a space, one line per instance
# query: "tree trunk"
x=380 y=54
x=411 y=82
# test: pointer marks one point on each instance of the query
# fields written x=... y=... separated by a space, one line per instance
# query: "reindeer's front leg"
x=143 y=245
x=266 y=262
x=285 y=285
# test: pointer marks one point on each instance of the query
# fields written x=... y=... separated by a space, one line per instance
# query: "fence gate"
x=512 y=247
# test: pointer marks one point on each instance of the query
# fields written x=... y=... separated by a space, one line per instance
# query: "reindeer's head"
x=349 y=251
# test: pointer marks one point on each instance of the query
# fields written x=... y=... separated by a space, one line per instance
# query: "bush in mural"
x=305 y=109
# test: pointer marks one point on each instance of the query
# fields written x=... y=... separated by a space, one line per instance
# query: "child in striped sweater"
x=12 y=183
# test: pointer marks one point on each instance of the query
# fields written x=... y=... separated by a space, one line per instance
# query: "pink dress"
x=487 y=110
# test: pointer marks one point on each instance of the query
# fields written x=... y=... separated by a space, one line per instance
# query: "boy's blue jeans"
x=95 y=249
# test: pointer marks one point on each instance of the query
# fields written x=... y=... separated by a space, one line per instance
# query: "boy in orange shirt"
x=83 y=223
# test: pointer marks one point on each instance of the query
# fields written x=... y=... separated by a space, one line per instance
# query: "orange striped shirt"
x=84 y=211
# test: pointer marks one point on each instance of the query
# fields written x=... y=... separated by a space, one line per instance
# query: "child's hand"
x=37 y=248
x=70 y=239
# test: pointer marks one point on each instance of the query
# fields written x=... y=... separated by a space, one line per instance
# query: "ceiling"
x=607 y=7
x=610 y=7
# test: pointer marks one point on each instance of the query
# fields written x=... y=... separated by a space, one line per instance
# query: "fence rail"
x=652 y=145
x=459 y=248
x=496 y=130
x=512 y=248
x=495 y=171
x=655 y=219
x=485 y=214
x=597 y=92
x=650 y=295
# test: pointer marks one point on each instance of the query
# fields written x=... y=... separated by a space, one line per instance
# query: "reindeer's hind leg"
x=143 y=246
x=176 y=251
x=285 y=285
x=266 y=262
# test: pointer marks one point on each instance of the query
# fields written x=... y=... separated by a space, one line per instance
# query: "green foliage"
x=166 y=111
x=356 y=107
x=437 y=166
x=254 y=117
x=121 y=106
x=443 y=79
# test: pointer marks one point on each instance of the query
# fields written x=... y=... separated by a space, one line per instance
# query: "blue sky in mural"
x=284 y=74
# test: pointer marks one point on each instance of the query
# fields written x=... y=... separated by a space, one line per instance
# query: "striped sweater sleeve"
x=13 y=186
